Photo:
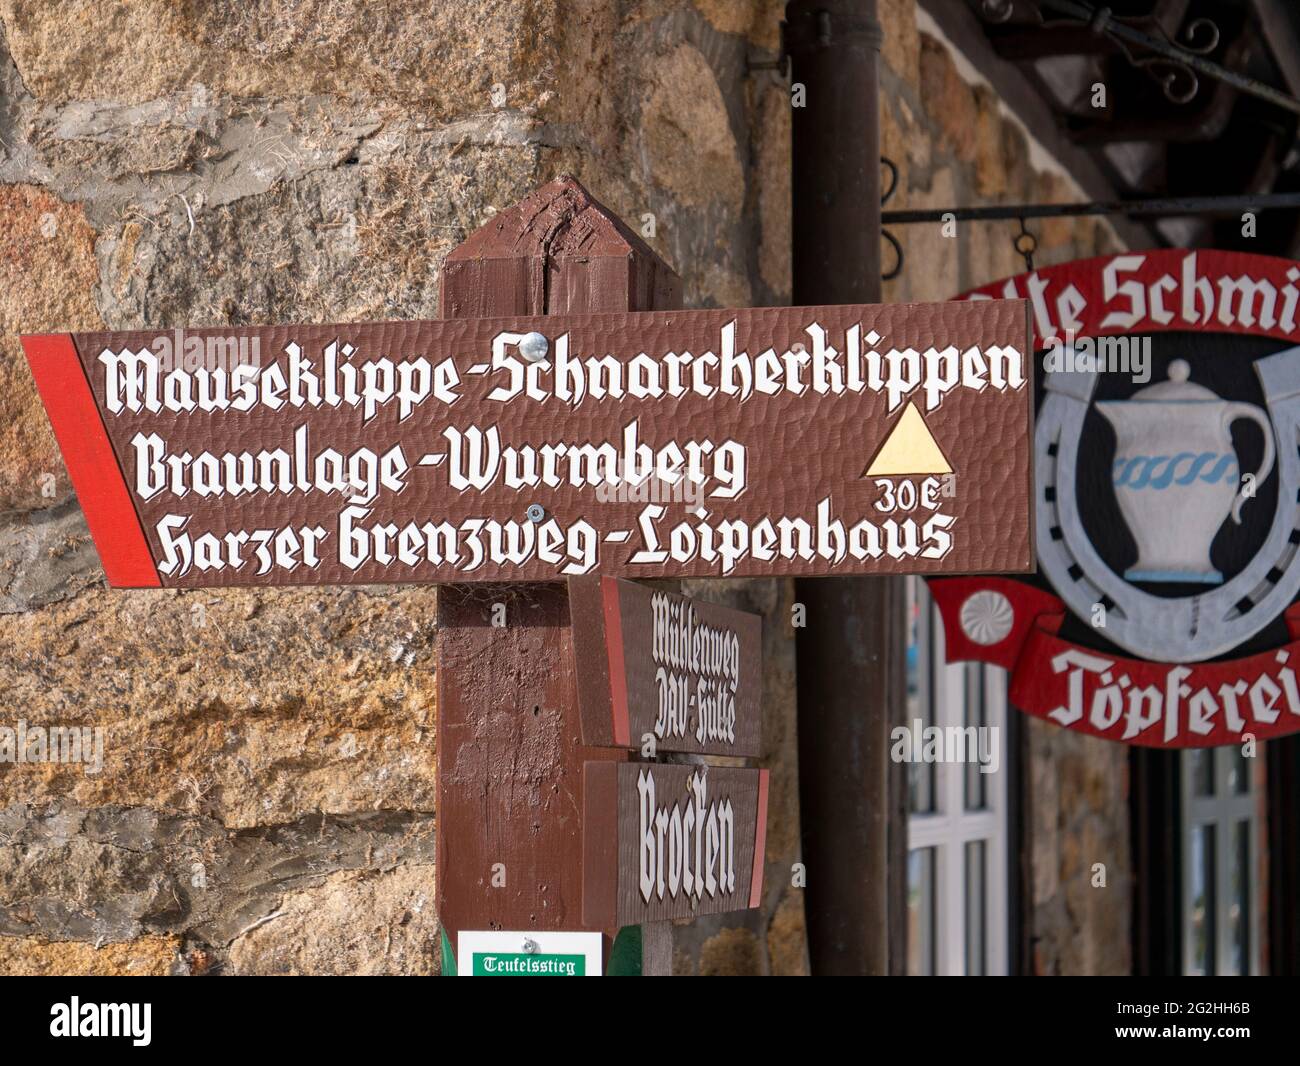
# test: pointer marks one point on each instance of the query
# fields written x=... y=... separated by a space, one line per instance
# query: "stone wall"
x=266 y=799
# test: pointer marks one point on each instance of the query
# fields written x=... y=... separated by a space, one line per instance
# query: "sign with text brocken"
x=663 y=842
x=817 y=440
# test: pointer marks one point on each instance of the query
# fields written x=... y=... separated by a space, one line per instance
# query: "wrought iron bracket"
x=1026 y=244
x=781 y=64
x=1173 y=65
x=1168 y=207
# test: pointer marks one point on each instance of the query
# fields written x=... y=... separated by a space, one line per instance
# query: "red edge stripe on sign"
x=617 y=673
x=760 y=843
x=92 y=466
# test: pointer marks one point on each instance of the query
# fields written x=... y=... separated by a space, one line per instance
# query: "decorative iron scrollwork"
x=892 y=167
x=1170 y=67
x=1189 y=37
x=885 y=235
x=1171 y=64
x=892 y=241
x=998 y=10
x=1167 y=71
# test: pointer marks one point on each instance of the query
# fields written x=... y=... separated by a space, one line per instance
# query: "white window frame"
x=1223 y=810
x=951 y=827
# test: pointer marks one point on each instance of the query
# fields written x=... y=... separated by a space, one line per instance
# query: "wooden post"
x=510 y=758
x=850 y=654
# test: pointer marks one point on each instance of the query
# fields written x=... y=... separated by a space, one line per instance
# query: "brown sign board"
x=670 y=841
x=655 y=664
x=798 y=441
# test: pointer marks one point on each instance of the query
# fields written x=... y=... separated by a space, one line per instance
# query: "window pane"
x=1239 y=907
x=920 y=912
x=954 y=926
x=1201 y=868
x=976 y=909
x=1202 y=771
x=920 y=784
x=920 y=775
x=1238 y=771
x=920 y=685
x=976 y=717
x=913 y=651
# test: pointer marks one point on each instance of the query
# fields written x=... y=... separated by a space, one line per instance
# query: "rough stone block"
x=47 y=284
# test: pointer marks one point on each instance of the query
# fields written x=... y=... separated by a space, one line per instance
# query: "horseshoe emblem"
x=1191 y=628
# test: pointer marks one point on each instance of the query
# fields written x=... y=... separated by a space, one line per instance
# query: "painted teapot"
x=1176 y=476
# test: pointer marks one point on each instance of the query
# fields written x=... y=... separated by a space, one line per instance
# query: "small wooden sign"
x=760 y=442
x=671 y=841
x=654 y=665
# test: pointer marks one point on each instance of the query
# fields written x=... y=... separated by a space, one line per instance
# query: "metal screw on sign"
x=534 y=348
x=1026 y=244
x=535 y=513
x=530 y=946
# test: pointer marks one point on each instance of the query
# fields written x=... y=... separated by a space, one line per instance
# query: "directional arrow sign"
x=809 y=440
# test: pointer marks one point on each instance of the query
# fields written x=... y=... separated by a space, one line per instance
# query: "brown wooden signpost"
x=563 y=420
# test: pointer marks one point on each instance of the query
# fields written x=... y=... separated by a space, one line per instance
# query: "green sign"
x=519 y=964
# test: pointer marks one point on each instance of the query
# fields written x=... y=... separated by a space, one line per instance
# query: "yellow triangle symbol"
x=910 y=448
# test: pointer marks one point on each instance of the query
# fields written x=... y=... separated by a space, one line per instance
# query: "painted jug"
x=1176 y=476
